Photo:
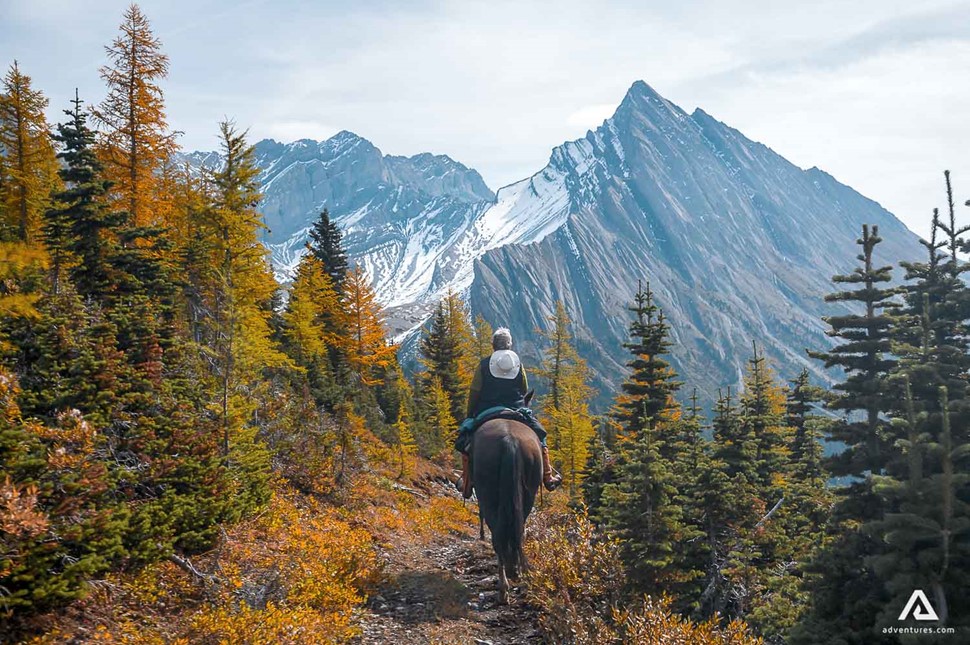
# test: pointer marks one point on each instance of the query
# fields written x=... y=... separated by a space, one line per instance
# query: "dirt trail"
x=445 y=592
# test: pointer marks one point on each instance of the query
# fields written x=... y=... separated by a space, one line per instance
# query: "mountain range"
x=738 y=244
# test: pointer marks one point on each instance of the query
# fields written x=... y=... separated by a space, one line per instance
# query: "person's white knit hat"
x=504 y=363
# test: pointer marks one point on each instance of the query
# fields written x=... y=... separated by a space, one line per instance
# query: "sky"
x=874 y=92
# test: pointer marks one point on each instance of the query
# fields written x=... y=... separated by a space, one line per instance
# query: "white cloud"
x=870 y=91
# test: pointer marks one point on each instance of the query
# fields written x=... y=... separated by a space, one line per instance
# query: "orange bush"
x=576 y=582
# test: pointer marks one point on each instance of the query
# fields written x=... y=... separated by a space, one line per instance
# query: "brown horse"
x=506 y=461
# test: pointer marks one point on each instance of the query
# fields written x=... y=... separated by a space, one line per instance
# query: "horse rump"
x=507 y=535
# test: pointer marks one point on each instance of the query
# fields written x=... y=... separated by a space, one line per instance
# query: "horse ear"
x=528 y=397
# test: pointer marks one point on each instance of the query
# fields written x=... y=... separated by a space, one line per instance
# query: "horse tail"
x=511 y=516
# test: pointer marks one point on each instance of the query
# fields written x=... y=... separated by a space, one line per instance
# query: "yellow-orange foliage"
x=366 y=347
x=295 y=574
x=28 y=169
x=576 y=582
x=136 y=143
x=313 y=301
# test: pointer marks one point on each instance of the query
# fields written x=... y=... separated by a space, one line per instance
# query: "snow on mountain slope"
x=738 y=244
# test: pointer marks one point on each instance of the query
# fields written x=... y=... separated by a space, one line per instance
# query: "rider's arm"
x=473 y=393
x=525 y=380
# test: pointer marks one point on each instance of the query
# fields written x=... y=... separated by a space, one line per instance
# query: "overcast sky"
x=873 y=91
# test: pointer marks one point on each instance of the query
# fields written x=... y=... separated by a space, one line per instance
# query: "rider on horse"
x=500 y=382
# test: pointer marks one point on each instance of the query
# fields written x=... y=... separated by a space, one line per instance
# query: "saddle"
x=470 y=425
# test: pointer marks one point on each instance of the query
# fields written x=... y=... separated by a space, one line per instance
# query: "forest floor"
x=442 y=588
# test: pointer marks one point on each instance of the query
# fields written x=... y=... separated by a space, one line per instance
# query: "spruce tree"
x=845 y=591
x=763 y=413
x=327 y=247
x=442 y=356
x=648 y=391
x=79 y=229
x=865 y=356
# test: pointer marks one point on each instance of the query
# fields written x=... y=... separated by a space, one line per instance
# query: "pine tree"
x=29 y=169
x=845 y=590
x=808 y=429
x=639 y=510
x=136 y=143
x=327 y=247
x=407 y=446
x=641 y=505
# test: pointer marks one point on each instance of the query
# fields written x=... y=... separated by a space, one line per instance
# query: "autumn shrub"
x=577 y=583
x=294 y=571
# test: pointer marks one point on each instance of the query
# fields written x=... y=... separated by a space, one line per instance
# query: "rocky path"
x=445 y=592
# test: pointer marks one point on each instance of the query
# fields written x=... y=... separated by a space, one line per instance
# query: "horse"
x=506 y=464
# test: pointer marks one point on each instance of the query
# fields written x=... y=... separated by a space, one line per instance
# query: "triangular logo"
x=919 y=607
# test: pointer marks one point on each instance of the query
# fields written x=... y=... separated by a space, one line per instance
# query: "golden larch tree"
x=28 y=171
x=136 y=143
x=312 y=297
x=367 y=349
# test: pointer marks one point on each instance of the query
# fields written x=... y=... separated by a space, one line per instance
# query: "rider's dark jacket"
x=488 y=391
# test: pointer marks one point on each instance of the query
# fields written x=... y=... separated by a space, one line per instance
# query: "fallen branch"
x=397 y=486
x=208 y=581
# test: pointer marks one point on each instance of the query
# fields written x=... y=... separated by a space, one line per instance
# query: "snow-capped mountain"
x=738 y=244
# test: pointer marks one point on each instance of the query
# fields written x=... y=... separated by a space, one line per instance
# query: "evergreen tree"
x=864 y=354
x=640 y=506
x=808 y=429
x=442 y=355
x=80 y=230
x=136 y=143
x=29 y=171
x=845 y=590
x=407 y=445
x=763 y=409
x=60 y=528
x=648 y=391
x=327 y=247
x=639 y=509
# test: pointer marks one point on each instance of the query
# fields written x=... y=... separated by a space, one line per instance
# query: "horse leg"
x=503 y=584
x=481 y=524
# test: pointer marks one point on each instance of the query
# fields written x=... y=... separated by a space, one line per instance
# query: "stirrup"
x=552 y=483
